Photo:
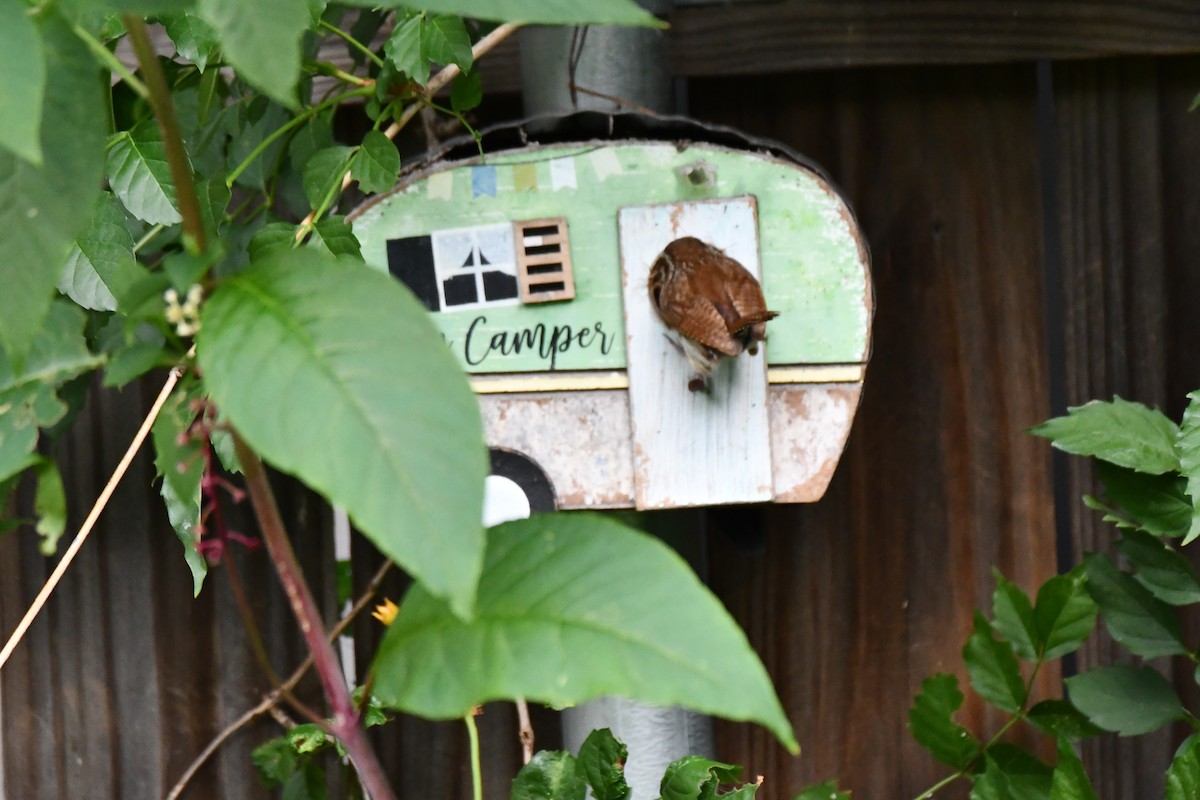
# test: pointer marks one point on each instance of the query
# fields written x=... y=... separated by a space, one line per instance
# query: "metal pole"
x=607 y=69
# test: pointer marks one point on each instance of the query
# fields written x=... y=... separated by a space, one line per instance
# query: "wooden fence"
x=1028 y=177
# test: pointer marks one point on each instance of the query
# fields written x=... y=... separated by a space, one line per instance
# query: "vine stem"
x=93 y=515
x=345 y=725
x=476 y=771
x=436 y=84
x=271 y=699
x=164 y=114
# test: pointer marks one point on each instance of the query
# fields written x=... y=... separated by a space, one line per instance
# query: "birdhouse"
x=533 y=251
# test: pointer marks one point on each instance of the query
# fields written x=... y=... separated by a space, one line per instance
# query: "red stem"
x=345 y=725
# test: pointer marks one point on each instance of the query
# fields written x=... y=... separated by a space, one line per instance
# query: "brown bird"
x=711 y=301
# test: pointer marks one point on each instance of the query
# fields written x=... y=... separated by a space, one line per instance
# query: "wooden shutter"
x=543 y=260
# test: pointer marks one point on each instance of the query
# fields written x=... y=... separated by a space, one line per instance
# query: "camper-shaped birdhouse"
x=535 y=260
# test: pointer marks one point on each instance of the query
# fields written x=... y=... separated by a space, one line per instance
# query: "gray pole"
x=627 y=69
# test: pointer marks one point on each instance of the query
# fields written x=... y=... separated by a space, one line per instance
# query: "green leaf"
x=140 y=175
x=823 y=791
x=403 y=48
x=1183 y=776
x=1160 y=568
x=1011 y=773
x=334 y=373
x=466 y=92
x=213 y=195
x=335 y=236
x=307 y=738
x=50 y=505
x=180 y=463
x=101 y=266
x=1141 y=623
x=549 y=12
x=602 y=762
x=274 y=237
x=22 y=82
x=306 y=783
x=376 y=164
x=275 y=760
x=1123 y=433
x=1070 y=780
x=573 y=607
x=1014 y=616
x=195 y=40
x=693 y=777
x=1061 y=719
x=993 y=668
x=27 y=397
x=1064 y=614
x=261 y=41
x=311 y=137
x=931 y=723
x=324 y=171
x=1189 y=460
x=43 y=209
x=184 y=513
x=256 y=119
x=445 y=40
x=1125 y=699
x=1155 y=503
x=549 y=775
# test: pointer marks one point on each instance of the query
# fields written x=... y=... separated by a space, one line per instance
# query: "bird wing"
x=696 y=317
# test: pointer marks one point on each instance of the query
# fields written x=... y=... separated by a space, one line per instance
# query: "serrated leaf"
x=1062 y=720
x=1155 y=503
x=403 y=48
x=194 y=39
x=101 y=265
x=1125 y=699
x=140 y=176
x=50 y=506
x=43 y=208
x=378 y=416
x=307 y=738
x=22 y=82
x=1141 y=623
x=1014 y=616
x=1012 y=774
x=602 y=763
x=180 y=464
x=275 y=760
x=184 y=514
x=1183 y=776
x=1123 y=433
x=376 y=164
x=549 y=775
x=313 y=136
x=306 y=783
x=1064 y=614
x=1070 y=780
x=445 y=41
x=549 y=12
x=466 y=92
x=27 y=397
x=993 y=668
x=335 y=236
x=1188 y=444
x=274 y=237
x=324 y=171
x=931 y=722
x=261 y=41
x=693 y=777
x=253 y=121
x=1157 y=566
x=823 y=791
x=214 y=196
x=133 y=361
x=573 y=607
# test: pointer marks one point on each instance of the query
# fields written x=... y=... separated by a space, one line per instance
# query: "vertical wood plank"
x=854 y=600
x=691 y=448
x=1128 y=199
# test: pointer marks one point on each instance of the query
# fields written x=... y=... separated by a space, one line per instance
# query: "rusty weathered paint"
x=809 y=427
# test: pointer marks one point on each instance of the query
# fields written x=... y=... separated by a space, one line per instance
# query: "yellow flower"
x=385 y=612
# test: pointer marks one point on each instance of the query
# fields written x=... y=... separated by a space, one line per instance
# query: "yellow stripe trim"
x=593 y=381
